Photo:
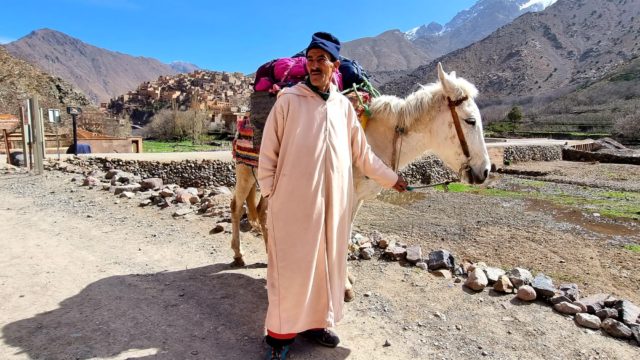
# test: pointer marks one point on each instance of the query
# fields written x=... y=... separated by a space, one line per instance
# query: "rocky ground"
x=86 y=274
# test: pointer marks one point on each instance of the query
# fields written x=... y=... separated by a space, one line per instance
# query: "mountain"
x=388 y=51
x=99 y=73
x=183 y=67
x=471 y=25
x=542 y=53
x=392 y=50
x=19 y=80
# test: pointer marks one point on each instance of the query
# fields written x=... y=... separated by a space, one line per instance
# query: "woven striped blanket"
x=243 y=149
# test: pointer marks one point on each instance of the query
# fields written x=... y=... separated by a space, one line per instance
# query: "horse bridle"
x=400 y=130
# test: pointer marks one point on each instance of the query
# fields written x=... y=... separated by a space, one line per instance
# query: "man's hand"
x=401 y=184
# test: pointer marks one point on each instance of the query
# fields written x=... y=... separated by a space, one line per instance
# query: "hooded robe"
x=308 y=149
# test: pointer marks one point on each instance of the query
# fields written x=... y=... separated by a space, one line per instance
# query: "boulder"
x=526 y=293
x=493 y=274
x=567 y=308
x=543 y=286
x=520 y=277
x=441 y=259
x=588 y=321
x=593 y=303
x=616 y=329
x=477 y=280
x=503 y=284
x=151 y=184
x=628 y=311
x=607 y=313
x=414 y=254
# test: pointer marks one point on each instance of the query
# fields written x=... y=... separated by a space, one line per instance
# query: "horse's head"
x=457 y=100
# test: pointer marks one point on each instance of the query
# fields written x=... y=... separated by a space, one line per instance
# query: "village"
x=223 y=96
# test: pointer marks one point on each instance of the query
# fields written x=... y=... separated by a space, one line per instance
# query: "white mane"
x=419 y=104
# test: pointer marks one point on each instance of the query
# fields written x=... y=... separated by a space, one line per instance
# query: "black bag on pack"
x=352 y=73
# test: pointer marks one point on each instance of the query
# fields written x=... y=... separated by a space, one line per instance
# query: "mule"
x=399 y=131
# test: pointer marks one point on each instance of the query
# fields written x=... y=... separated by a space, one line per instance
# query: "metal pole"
x=30 y=134
x=57 y=141
x=75 y=135
x=37 y=136
x=25 y=156
x=7 y=145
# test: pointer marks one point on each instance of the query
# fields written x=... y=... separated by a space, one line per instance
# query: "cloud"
x=5 y=39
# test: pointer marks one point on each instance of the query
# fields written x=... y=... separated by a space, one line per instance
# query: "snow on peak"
x=542 y=3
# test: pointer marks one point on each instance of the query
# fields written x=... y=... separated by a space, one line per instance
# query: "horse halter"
x=400 y=130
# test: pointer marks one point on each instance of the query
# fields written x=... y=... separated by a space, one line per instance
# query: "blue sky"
x=218 y=35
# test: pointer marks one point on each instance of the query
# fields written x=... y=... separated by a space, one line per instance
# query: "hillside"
x=101 y=74
x=394 y=51
x=19 y=80
x=541 y=54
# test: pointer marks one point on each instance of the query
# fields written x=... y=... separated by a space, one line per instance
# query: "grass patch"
x=633 y=247
x=155 y=146
x=612 y=204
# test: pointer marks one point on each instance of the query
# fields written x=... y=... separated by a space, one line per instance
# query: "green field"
x=155 y=146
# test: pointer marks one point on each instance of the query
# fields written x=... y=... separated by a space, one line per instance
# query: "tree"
x=628 y=126
x=515 y=115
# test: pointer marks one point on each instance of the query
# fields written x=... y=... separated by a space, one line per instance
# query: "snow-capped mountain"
x=489 y=14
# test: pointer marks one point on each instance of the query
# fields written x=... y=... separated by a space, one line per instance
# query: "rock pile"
x=532 y=153
x=618 y=318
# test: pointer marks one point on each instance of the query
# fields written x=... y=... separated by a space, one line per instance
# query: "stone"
x=466 y=265
x=217 y=229
x=166 y=193
x=607 y=313
x=557 y=299
x=414 y=254
x=493 y=274
x=567 y=308
x=183 y=211
x=122 y=188
x=442 y=273
x=145 y=202
x=367 y=253
x=151 y=184
x=221 y=190
x=478 y=265
x=422 y=265
x=610 y=301
x=91 y=181
x=629 y=312
x=477 y=280
x=616 y=329
x=440 y=259
x=635 y=330
x=111 y=173
x=503 y=284
x=183 y=196
x=543 y=286
x=588 y=321
x=127 y=194
x=519 y=277
x=397 y=253
x=593 y=303
x=387 y=242
x=526 y=293
x=570 y=291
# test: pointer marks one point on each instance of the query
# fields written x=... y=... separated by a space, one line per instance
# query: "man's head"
x=322 y=59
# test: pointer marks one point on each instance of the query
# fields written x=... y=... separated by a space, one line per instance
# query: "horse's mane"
x=419 y=104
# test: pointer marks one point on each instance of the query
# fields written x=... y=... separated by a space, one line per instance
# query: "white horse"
x=399 y=131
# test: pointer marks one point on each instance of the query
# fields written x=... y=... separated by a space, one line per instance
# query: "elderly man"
x=311 y=140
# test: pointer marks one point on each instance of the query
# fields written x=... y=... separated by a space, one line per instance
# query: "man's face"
x=320 y=68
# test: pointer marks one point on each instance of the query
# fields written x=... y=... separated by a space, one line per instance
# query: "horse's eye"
x=470 y=121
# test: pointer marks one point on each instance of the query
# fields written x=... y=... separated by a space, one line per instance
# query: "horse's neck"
x=411 y=145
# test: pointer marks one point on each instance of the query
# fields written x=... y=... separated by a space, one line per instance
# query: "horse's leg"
x=252 y=207
x=262 y=217
x=244 y=183
x=349 y=293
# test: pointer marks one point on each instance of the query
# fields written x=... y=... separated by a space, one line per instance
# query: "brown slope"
x=99 y=73
x=569 y=43
x=388 y=51
x=19 y=80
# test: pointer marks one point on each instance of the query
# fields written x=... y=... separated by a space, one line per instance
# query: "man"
x=311 y=140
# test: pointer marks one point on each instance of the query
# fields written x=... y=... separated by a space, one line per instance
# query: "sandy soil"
x=84 y=275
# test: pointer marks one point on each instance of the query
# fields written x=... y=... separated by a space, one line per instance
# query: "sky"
x=231 y=35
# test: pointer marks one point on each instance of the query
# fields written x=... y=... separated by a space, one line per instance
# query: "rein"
x=400 y=130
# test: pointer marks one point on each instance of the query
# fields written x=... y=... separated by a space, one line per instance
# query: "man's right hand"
x=401 y=185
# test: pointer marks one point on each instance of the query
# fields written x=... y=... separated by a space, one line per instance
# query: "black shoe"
x=277 y=353
x=324 y=337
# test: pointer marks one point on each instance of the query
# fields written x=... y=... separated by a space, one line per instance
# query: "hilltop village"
x=222 y=95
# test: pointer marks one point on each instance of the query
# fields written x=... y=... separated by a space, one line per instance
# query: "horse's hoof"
x=238 y=262
x=349 y=295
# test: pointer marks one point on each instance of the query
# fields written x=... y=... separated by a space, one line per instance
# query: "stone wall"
x=522 y=153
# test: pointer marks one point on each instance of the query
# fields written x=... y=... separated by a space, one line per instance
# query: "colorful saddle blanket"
x=243 y=149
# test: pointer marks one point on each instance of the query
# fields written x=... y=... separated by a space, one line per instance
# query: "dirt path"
x=84 y=275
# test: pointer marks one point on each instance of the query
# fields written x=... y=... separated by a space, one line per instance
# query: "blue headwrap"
x=326 y=42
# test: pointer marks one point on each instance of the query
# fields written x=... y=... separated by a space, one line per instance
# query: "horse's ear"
x=444 y=80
